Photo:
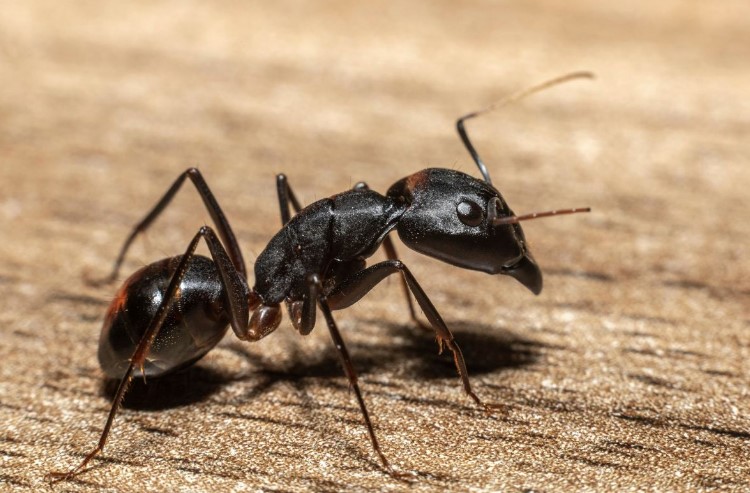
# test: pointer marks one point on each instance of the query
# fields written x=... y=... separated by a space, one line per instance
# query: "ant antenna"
x=505 y=101
x=536 y=215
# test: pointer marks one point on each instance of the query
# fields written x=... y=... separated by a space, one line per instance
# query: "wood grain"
x=629 y=372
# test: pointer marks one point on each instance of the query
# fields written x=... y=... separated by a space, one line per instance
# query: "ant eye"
x=470 y=213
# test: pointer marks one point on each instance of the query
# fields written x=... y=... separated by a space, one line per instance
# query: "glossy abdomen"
x=196 y=322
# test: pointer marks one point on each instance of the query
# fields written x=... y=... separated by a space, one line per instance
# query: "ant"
x=169 y=314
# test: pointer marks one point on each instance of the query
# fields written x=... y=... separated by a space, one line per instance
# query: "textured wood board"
x=628 y=372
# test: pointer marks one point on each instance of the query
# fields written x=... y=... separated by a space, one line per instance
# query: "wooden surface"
x=629 y=372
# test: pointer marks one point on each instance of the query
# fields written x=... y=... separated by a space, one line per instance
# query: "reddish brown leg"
x=390 y=253
x=351 y=374
x=353 y=289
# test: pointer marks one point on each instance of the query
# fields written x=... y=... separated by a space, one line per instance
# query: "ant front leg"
x=222 y=225
x=353 y=289
x=314 y=285
x=390 y=253
x=286 y=197
x=237 y=298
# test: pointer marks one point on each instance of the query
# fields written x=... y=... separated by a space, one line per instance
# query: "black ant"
x=170 y=313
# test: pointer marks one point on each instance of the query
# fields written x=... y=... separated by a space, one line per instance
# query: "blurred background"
x=628 y=371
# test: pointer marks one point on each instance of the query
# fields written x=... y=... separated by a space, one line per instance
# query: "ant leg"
x=390 y=253
x=302 y=312
x=237 y=291
x=351 y=374
x=222 y=225
x=286 y=196
x=353 y=289
x=234 y=283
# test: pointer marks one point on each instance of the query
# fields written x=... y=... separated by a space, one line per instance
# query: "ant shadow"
x=189 y=386
x=412 y=351
x=485 y=348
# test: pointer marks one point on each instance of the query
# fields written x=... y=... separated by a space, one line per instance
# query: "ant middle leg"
x=353 y=289
x=217 y=215
x=286 y=197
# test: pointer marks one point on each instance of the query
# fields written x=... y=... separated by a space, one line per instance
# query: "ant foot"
x=495 y=409
x=441 y=342
x=57 y=477
x=407 y=476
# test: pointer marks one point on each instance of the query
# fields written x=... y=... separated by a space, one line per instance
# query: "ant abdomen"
x=195 y=323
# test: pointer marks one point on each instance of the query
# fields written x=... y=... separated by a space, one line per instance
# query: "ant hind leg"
x=233 y=283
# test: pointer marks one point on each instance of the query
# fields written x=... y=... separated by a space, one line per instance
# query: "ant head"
x=455 y=218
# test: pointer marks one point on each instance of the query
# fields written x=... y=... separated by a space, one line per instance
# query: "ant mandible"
x=170 y=313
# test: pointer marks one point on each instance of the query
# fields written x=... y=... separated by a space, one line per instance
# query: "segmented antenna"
x=507 y=100
x=536 y=215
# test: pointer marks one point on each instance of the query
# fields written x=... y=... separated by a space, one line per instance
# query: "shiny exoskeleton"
x=170 y=313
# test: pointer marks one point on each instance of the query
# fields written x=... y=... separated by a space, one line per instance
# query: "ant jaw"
x=527 y=272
